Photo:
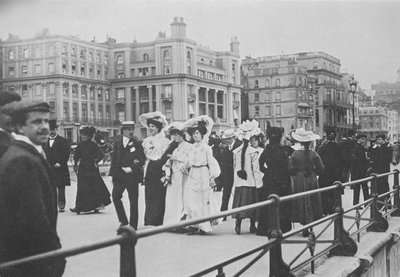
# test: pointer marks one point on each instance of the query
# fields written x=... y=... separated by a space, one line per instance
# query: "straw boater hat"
x=156 y=118
x=302 y=135
x=199 y=121
x=249 y=129
x=230 y=133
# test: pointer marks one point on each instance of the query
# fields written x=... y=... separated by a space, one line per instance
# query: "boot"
x=253 y=228
x=237 y=225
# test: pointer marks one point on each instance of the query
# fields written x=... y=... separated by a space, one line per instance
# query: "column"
x=207 y=89
x=137 y=102
x=224 y=105
x=216 y=104
x=96 y=100
x=70 y=113
x=158 y=97
x=150 y=92
x=59 y=100
x=88 y=87
x=80 y=101
x=196 y=102
x=128 y=103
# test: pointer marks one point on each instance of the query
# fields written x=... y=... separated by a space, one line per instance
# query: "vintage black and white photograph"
x=169 y=138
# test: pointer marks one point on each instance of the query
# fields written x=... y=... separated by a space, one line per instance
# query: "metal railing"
x=342 y=243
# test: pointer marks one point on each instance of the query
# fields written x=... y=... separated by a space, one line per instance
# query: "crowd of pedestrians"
x=182 y=167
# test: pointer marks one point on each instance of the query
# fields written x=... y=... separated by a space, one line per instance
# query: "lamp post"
x=77 y=125
x=353 y=88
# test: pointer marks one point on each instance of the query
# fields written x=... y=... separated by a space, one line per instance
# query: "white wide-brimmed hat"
x=157 y=117
x=202 y=120
x=302 y=135
x=230 y=133
x=248 y=129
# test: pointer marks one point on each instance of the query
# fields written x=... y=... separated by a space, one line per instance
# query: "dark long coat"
x=381 y=157
x=28 y=211
x=5 y=140
x=276 y=180
x=332 y=172
x=59 y=153
x=360 y=162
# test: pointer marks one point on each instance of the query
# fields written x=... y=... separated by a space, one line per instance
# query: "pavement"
x=167 y=254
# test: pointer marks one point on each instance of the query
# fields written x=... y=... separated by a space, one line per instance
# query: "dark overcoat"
x=116 y=161
x=381 y=158
x=5 y=140
x=28 y=211
x=59 y=153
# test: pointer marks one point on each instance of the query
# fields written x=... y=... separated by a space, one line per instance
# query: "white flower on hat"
x=249 y=129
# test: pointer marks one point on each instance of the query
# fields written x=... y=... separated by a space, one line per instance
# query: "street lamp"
x=353 y=88
x=77 y=125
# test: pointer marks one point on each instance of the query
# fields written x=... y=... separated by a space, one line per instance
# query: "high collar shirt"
x=155 y=146
x=125 y=141
x=51 y=140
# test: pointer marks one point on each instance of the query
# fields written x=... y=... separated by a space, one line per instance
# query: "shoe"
x=183 y=217
x=237 y=226
x=61 y=210
x=75 y=210
x=253 y=229
x=305 y=233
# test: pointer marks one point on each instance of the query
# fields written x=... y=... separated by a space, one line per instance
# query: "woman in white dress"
x=203 y=169
x=176 y=174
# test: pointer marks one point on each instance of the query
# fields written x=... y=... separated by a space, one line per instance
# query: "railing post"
x=346 y=245
x=277 y=267
x=379 y=223
x=127 y=258
x=396 y=197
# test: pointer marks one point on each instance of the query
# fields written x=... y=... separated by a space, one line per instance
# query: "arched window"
x=11 y=55
x=267 y=83
x=256 y=84
x=278 y=82
x=26 y=53
x=145 y=57
x=166 y=54
x=83 y=54
x=120 y=59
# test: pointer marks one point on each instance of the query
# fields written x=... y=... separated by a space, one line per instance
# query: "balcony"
x=341 y=103
x=166 y=96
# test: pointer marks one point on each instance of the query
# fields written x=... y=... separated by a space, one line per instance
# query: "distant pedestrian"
x=248 y=176
x=332 y=172
x=359 y=168
x=92 y=193
x=154 y=147
x=28 y=197
x=126 y=171
x=5 y=120
x=304 y=166
x=273 y=162
x=57 y=150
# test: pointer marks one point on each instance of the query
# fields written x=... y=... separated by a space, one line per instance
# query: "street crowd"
x=181 y=165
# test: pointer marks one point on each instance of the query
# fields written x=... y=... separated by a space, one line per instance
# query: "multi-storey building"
x=316 y=77
x=387 y=93
x=105 y=83
x=374 y=121
x=393 y=125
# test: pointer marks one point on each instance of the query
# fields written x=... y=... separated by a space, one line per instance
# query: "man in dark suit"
x=57 y=151
x=28 y=199
x=359 y=168
x=126 y=162
x=5 y=128
x=226 y=164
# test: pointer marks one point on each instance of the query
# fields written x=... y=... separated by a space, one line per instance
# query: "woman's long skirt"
x=154 y=195
x=92 y=192
x=244 y=196
x=174 y=201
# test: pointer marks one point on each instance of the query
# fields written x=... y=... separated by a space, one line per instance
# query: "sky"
x=364 y=35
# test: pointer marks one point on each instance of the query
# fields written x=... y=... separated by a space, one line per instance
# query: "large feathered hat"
x=248 y=129
x=156 y=118
x=203 y=122
x=302 y=135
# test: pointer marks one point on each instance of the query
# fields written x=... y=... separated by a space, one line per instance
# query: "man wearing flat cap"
x=28 y=198
x=126 y=162
x=57 y=151
x=5 y=121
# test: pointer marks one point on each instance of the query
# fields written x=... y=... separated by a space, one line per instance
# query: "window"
x=98 y=74
x=51 y=67
x=100 y=112
x=83 y=54
x=24 y=70
x=91 y=92
x=11 y=71
x=91 y=71
x=52 y=89
x=278 y=110
x=24 y=90
x=52 y=106
x=121 y=116
x=37 y=69
x=256 y=111
x=233 y=67
x=256 y=84
x=315 y=65
x=84 y=112
x=166 y=55
x=277 y=96
x=256 y=97
x=73 y=52
x=91 y=111
x=11 y=55
x=278 y=82
x=201 y=73
x=267 y=83
x=145 y=57
x=120 y=59
x=26 y=53
x=267 y=96
x=73 y=68
x=120 y=94
x=167 y=70
x=220 y=97
x=108 y=117
x=168 y=91
x=98 y=58
x=83 y=68
x=38 y=89
x=209 y=76
x=168 y=110
x=75 y=111
x=120 y=74
x=74 y=90
x=65 y=89
x=107 y=94
x=267 y=110
x=91 y=58
x=64 y=66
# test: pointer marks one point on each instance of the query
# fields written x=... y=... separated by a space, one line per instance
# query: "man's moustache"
x=43 y=133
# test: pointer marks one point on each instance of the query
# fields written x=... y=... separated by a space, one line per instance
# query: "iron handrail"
x=127 y=236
